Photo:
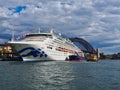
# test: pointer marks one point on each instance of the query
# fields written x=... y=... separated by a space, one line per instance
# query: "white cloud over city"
x=97 y=21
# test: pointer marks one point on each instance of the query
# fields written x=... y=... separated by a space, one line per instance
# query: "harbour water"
x=57 y=75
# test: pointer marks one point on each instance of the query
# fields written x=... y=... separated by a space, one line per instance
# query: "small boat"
x=75 y=58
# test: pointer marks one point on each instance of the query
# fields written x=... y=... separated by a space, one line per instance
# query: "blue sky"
x=97 y=21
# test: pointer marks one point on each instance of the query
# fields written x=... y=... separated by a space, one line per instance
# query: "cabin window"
x=49 y=47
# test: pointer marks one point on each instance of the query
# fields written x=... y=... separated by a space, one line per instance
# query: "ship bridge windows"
x=37 y=37
x=42 y=35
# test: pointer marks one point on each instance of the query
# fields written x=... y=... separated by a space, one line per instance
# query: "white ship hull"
x=44 y=47
x=36 y=52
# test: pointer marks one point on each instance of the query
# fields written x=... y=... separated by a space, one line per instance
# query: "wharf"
x=7 y=53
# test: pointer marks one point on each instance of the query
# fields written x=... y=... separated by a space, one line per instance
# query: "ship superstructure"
x=45 y=46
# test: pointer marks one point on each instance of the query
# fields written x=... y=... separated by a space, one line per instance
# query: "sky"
x=96 y=21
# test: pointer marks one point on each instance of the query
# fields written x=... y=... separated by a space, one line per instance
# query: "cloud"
x=110 y=49
x=97 y=21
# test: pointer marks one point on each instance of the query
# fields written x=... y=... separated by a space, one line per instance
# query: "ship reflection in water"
x=60 y=75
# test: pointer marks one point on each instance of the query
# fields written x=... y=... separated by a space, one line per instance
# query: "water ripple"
x=55 y=75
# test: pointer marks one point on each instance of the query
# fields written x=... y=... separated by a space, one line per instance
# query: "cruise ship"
x=43 y=46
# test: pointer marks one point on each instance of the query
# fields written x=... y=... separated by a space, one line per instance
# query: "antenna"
x=52 y=31
x=12 y=35
x=39 y=30
x=12 y=27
